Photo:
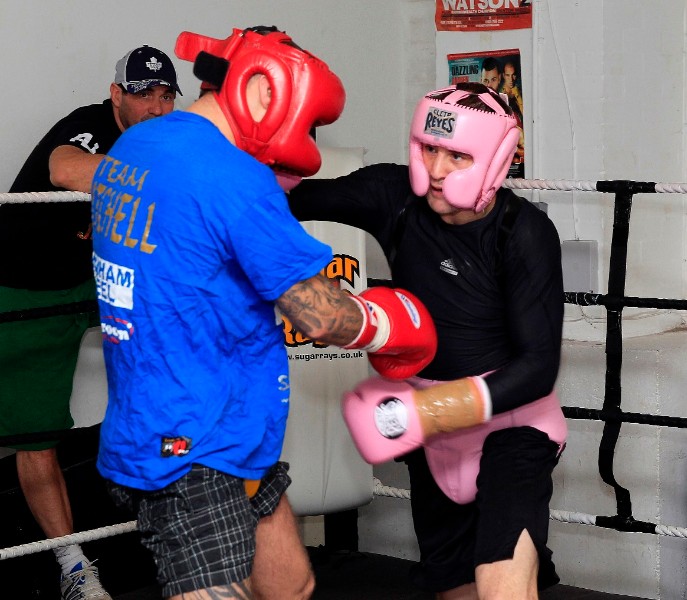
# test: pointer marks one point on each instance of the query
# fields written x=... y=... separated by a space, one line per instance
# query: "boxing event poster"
x=483 y=15
x=499 y=70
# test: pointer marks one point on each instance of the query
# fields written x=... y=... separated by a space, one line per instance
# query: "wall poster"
x=499 y=70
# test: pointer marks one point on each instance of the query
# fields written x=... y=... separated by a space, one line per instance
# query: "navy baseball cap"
x=143 y=68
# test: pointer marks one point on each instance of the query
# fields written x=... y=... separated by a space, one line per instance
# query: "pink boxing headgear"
x=305 y=94
x=490 y=138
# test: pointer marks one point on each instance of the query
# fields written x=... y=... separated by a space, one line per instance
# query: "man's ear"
x=258 y=96
x=265 y=91
x=116 y=95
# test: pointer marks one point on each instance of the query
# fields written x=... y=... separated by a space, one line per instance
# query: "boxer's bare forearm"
x=321 y=311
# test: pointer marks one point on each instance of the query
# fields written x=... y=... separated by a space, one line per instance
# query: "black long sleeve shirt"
x=501 y=314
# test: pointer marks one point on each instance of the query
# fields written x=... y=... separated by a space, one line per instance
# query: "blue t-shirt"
x=193 y=241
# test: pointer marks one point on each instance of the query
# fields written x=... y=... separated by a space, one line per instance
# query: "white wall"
x=61 y=55
x=611 y=105
x=649 y=461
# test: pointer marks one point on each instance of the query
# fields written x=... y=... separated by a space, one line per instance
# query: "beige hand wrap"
x=453 y=405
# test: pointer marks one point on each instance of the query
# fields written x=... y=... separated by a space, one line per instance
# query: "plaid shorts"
x=201 y=528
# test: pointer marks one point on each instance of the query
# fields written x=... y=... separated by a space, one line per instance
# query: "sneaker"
x=83 y=584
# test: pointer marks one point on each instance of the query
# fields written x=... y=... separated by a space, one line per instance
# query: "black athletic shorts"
x=514 y=488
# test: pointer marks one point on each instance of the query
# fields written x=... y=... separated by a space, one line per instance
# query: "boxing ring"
x=329 y=476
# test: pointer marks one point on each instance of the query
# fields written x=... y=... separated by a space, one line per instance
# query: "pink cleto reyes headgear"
x=489 y=138
x=305 y=94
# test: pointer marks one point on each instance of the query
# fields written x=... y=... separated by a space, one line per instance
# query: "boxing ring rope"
x=563 y=516
x=22 y=197
x=73 y=538
x=610 y=413
x=379 y=490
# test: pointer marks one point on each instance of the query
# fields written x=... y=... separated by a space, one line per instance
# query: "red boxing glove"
x=398 y=333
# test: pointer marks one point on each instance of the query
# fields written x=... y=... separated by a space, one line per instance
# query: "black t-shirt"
x=491 y=314
x=47 y=246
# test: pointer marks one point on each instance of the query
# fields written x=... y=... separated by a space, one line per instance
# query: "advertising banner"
x=483 y=15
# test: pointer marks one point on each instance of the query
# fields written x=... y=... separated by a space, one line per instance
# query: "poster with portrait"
x=482 y=15
x=499 y=70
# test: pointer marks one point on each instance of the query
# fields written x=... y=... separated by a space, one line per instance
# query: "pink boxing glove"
x=398 y=332
x=386 y=419
x=382 y=419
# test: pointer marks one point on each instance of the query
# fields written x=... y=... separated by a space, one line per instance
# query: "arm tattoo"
x=321 y=311
x=234 y=591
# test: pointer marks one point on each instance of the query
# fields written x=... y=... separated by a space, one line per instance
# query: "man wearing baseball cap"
x=50 y=245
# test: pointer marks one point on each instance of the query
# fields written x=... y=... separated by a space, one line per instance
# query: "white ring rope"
x=671 y=188
x=378 y=490
x=563 y=516
x=671 y=531
x=23 y=197
x=74 y=538
x=383 y=490
x=568 y=185
x=519 y=184
x=550 y=184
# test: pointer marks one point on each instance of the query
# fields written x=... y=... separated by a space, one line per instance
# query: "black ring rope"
x=72 y=308
x=614 y=302
x=36 y=437
x=595 y=414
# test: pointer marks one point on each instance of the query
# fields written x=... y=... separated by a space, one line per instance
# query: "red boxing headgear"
x=305 y=94
x=490 y=138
